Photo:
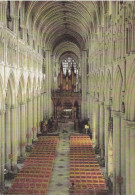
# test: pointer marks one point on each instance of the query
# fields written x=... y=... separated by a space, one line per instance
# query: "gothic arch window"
x=67 y=64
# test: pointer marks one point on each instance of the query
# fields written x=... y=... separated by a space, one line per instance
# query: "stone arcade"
x=97 y=40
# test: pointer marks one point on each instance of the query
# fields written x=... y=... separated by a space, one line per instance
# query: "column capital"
x=13 y=106
x=7 y=106
x=29 y=99
x=96 y=100
x=22 y=103
x=108 y=107
x=122 y=115
x=130 y=124
x=2 y=112
x=101 y=103
x=116 y=113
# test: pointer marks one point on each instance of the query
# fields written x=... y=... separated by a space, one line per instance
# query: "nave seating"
x=35 y=175
x=85 y=173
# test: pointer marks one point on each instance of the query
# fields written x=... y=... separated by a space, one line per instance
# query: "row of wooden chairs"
x=85 y=173
x=35 y=174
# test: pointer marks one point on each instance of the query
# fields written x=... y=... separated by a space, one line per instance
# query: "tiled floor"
x=59 y=184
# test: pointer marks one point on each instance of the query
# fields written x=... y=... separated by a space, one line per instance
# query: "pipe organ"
x=67 y=82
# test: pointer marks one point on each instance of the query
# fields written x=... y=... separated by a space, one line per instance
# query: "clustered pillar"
x=106 y=126
x=29 y=122
x=38 y=114
x=14 y=137
x=116 y=151
x=48 y=84
x=2 y=146
x=101 y=126
x=23 y=129
x=95 y=124
x=130 y=158
x=7 y=138
x=84 y=85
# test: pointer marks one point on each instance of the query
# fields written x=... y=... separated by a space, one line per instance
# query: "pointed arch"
x=21 y=90
x=11 y=90
x=130 y=95
x=34 y=86
x=28 y=88
x=101 y=86
x=117 y=89
x=108 y=87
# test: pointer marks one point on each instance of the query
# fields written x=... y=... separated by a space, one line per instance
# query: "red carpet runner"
x=85 y=171
x=35 y=175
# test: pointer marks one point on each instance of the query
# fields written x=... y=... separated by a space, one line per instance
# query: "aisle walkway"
x=59 y=183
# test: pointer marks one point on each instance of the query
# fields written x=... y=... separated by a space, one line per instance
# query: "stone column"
x=116 y=152
x=41 y=107
x=101 y=127
x=133 y=36
x=38 y=114
x=18 y=130
x=44 y=106
x=35 y=118
x=91 y=112
x=84 y=84
x=2 y=149
x=29 y=122
x=1 y=165
x=23 y=128
x=130 y=157
x=95 y=126
x=4 y=12
x=8 y=137
x=1 y=12
x=13 y=137
x=123 y=155
x=48 y=82
x=107 y=116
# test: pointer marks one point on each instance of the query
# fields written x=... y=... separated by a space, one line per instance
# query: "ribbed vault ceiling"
x=64 y=26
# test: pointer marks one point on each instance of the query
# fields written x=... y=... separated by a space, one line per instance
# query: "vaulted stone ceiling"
x=64 y=26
